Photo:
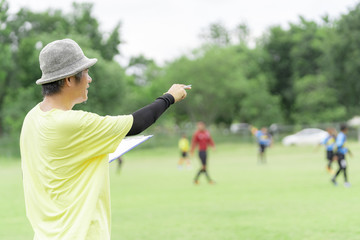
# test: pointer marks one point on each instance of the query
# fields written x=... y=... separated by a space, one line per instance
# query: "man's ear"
x=68 y=81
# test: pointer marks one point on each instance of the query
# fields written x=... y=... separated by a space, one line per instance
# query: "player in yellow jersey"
x=184 y=146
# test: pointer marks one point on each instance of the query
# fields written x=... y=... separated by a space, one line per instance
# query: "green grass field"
x=289 y=198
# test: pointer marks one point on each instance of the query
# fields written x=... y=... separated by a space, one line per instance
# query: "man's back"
x=65 y=170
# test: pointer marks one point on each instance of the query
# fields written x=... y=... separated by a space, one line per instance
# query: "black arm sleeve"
x=146 y=116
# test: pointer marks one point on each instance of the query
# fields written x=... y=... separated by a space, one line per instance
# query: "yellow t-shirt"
x=64 y=157
x=184 y=144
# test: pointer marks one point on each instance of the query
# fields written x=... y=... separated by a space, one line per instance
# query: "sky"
x=165 y=29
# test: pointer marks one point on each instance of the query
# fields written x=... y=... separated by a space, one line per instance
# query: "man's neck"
x=57 y=101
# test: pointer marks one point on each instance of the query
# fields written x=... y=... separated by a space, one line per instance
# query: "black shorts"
x=340 y=156
x=262 y=148
x=341 y=160
x=329 y=155
x=184 y=154
x=203 y=156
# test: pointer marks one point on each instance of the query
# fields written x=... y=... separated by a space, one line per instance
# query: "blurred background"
x=276 y=68
x=290 y=66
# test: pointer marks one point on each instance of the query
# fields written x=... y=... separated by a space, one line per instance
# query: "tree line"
x=305 y=73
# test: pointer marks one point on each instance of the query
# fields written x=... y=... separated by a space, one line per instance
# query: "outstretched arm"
x=146 y=116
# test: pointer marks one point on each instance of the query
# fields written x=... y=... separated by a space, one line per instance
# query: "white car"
x=307 y=136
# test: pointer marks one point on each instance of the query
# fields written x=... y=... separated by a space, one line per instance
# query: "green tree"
x=144 y=82
x=259 y=107
x=278 y=64
x=217 y=34
x=17 y=104
x=306 y=49
x=227 y=86
x=316 y=101
x=341 y=65
x=30 y=32
x=211 y=76
x=292 y=55
x=85 y=24
x=242 y=32
x=111 y=47
x=6 y=63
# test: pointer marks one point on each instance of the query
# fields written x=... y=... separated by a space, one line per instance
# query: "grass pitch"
x=291 y=197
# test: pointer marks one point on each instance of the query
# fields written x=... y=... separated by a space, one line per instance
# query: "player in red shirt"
x=202 y=139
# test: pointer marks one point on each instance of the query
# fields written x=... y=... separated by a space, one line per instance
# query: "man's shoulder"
x=33 y=111
x=53 y=119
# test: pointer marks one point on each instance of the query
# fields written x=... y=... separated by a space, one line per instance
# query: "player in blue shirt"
x=329 y=143
x=264 y=139
x=341 y=152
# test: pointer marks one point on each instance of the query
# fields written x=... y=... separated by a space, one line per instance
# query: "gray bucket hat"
x=61 y=59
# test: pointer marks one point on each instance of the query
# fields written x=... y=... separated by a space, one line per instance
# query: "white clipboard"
x=126 y=145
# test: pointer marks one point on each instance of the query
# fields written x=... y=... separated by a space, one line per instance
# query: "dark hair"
x=343 y=127
x=53 y=88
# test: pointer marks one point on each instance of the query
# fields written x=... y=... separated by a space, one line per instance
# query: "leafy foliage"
x=23 y=36
x=304 y=74
x=316 y=102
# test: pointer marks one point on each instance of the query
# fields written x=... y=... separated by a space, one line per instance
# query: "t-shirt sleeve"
x=97 y=135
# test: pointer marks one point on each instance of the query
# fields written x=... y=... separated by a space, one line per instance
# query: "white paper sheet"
x=126 y=145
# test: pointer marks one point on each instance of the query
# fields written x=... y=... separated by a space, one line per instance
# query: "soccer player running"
x=184 y=147
x=329 y=143
x=341 y=152
x=64 y=152
x=202 y=139
x=264 y=140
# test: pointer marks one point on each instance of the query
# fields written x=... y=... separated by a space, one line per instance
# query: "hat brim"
x=67 y=72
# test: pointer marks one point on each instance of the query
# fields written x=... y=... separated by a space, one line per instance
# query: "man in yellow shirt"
x=64 y=152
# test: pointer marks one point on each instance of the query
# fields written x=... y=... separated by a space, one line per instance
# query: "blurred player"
x=264 y=139
x=341 y=152
x=329 y=143
x=120 y=163
x=202 y=139
x=184 y=147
